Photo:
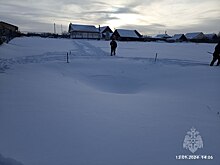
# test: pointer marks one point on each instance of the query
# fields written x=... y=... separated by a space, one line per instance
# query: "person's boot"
x=212 y=63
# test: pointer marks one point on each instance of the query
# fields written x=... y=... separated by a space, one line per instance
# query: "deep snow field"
x=103 y=110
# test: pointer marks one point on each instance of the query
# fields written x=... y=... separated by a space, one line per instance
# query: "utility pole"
x=61 y=29
x=54 y=28
x=99 y=32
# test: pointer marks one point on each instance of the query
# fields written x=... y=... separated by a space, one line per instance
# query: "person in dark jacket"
x=113 y=44
x=216 y=55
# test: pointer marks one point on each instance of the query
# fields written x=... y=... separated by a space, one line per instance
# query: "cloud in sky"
x=147 y=16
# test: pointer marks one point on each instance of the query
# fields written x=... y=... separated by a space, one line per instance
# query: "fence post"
x=155 y=60
x=67 y=57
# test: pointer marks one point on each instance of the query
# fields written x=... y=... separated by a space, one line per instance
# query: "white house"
x=83 y=31
x=195 y=36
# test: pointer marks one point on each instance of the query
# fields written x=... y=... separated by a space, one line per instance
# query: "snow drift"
x=98 y=109
x=8 y=161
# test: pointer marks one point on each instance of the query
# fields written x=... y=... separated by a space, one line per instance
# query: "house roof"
x=83 y=28
x=103 y=28
x=211 y=36
x=177 y=36
x=8 y=24
x=193 y=35
x=128 y=33
x=162 y=36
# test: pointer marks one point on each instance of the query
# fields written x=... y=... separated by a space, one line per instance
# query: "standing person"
x=216 y=55
x=113 y=44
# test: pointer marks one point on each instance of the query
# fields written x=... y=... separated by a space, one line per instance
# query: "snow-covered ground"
x=103 y=110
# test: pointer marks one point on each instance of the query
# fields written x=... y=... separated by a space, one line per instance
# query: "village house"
x=177 y=38
x=162 y=36
x=83 y=31
x=211 y=37
x=196 y=36
x=127 y=35
x=106 y=32
x=7 y=31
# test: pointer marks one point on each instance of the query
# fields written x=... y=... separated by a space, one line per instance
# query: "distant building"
x=6 y=27
x=127 y=35
x=106 y=32
x=177 y=38
x=83 y=31
x=195 y=36
x=162 y=36
x=7 y=31
x=211 y=36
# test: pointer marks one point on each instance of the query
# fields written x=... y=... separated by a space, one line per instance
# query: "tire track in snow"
x=84 y=48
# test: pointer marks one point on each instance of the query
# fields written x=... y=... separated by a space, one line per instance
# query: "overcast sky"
x=147 y=16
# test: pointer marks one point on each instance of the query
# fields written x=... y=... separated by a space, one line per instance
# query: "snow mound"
x=8 y=161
